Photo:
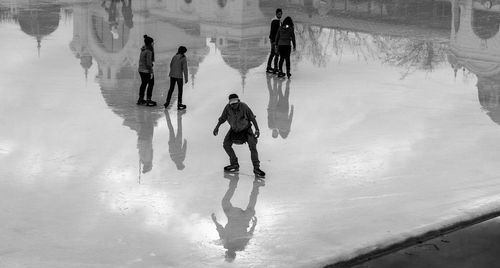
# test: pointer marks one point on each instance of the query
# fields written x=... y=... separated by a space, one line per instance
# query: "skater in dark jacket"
x=240 y=118
x=146 y=60
x=275 y=25
x=178 y=69
x=284 y=37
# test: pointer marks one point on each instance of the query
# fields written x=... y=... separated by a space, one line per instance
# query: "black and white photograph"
x=249 y=133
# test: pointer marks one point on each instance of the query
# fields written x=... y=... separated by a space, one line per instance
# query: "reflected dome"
x=489 y=96
x=485 y=24
x=39 y=21
x=244 y=55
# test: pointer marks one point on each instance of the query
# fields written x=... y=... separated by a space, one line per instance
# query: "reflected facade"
x=475 y=47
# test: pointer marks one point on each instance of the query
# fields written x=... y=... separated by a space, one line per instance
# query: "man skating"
x=240 y=117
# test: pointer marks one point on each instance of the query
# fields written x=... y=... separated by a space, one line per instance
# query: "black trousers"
x=285 y=56
x=180 y=83
x=252 y=145
x=273 y=55
x=146 y=81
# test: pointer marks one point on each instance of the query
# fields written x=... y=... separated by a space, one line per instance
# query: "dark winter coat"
x=275 y=25
x=285 y=35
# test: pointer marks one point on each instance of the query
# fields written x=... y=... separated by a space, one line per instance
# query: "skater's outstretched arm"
x=254 y=122
x=218 y=226
x=254 y=223
x=221 y=121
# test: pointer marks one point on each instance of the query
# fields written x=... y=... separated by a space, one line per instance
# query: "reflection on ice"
x=177 y=146
x=235 y=235
x=279 y=111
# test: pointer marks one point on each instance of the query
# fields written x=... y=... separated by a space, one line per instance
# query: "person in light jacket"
x=146 y=60
x=284 y=37
x=178 y=69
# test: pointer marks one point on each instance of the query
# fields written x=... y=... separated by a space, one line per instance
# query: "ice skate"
x=150 y=103
x=232 y=168
x=259 y=173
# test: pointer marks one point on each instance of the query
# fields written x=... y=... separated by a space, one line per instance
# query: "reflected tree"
x=413 y=55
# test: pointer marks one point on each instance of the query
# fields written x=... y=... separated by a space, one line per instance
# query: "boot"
x=181 y=106
x=258 y=172
x=232 y=168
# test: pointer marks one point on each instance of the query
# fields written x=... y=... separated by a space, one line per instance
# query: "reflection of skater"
x=178 y=69
x=145 y=139
x=278 y=118
x=283 y=119
x=284 y=37
x=235 y=235
x=112 y=17
x=240 y=118
x=275 y=25
x=175 y=142
x=271 y=107
x=146 y=60
x=127 y=13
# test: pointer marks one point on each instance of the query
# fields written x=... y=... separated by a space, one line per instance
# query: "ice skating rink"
x=387 y=129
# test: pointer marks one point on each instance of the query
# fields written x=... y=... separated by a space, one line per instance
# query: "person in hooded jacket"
x=178 y=69
x=146 y=60
x=284 y=37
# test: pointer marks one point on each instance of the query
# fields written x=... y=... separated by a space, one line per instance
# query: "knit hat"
x=233 y=98
x=148 y=40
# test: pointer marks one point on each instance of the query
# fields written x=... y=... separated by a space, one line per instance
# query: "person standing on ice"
x=178 y=68
x=285 y=36
x=240 y=117
x=146 y=60
x=275 y=25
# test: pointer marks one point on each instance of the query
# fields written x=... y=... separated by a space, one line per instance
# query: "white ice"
x=382 y=144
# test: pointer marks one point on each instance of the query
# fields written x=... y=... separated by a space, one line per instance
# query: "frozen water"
x=387 y=129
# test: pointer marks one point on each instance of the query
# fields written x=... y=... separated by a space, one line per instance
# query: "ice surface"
x=387 y=129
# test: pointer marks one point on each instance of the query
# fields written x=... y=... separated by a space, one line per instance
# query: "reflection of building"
x=37 y=19
x=238 y=28
x=475 y=46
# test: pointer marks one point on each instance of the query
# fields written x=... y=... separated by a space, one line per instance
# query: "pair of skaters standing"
x=282 y=37
x=178 y=70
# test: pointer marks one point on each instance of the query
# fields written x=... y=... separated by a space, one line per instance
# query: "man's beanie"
x=233 y=98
